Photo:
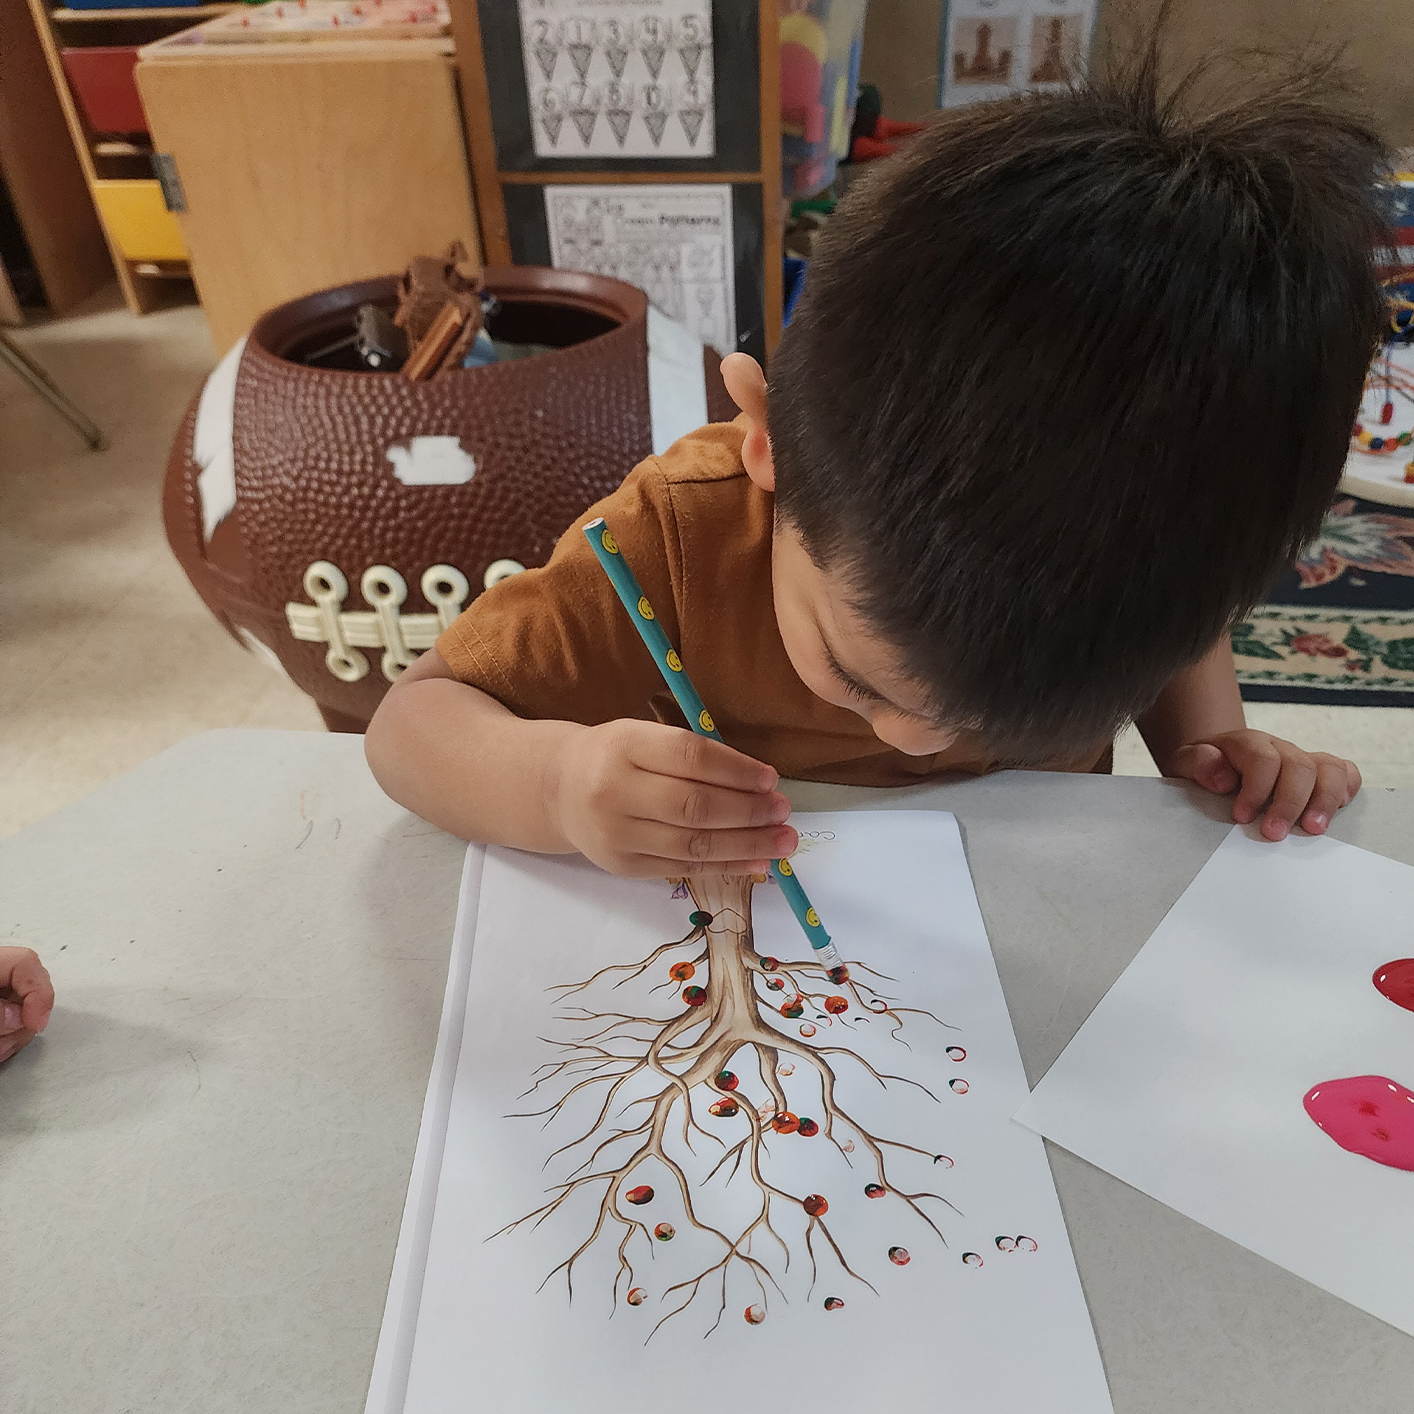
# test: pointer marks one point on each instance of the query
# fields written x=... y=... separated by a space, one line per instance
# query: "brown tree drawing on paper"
x=694 y=1061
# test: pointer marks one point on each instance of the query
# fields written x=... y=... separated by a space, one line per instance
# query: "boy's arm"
x=1196 y=731
x=638 y=798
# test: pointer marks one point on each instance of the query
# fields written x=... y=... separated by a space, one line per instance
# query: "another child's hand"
x=1294 y=786
x=647 y=800
x=26 y=999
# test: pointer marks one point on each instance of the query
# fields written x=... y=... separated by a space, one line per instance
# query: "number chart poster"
x=619 y=78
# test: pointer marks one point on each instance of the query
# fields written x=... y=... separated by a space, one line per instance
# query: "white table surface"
x=203 y=1160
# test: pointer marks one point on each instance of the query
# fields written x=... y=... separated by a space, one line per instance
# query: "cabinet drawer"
x=102 y=80
x=138 y=220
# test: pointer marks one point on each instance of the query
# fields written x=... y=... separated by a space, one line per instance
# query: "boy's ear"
x=747 y=386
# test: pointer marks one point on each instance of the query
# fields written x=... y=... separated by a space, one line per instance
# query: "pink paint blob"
x=1370 y=1115
x=1395 y=980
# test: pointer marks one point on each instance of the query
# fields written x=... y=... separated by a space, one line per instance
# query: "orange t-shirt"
x=556 y=643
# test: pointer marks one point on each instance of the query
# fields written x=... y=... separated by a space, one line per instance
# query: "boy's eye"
x=854 y=690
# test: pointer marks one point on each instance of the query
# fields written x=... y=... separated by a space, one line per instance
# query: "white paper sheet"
x=388 y=1384
x=673 y=242
x=619 y=78
x=1012 y=1333
x=1187 y=1080
x=993 y=48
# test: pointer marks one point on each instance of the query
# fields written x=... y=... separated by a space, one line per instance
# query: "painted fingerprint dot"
x=839 y=976
x=792 y=1010
x=942 y=1159
x=1395 y=982
x=1026 y=1244
x=1006 y=1244
x=725 y=1108
x=726 y=1080
x=775 y=984
x=764 y=1112
x=874 y=1190
x=665 y=1232
x=699 y=919
x=835 y=1005
x=694 y=996
x=754 y=1315
x=815 y=1204
x=847 y=1146
x=807 y=1029
x=808 y=1128
x=783 y=1122
x=640 y=1195
x=785 y=1068
x=971 y=1259
x=682 y=972
x=769 y=964
x=834 y=1303
x=1369 y=1115
x=636 y=1296
x=958 y=1085
x=899 y=1256
x=956 y=1053
x=878 y=1006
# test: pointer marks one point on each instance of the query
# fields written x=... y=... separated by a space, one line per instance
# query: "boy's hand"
x=647 y=800
x=26 y=999
x=1295 y=786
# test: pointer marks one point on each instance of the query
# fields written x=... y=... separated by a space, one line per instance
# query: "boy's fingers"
x=1293 y=791
x=15 y=1042
x=1260 y=765
x=1353 y=779
x=671 y=751
x=648 y=866
x=670 y=843
x=1331 y=793
x=670 y=800
x=10 y=1018
x=22 y=973
x=1205 y=765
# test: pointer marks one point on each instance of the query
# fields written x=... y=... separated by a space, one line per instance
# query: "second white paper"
x=1188 y=1080
x=915 y=1257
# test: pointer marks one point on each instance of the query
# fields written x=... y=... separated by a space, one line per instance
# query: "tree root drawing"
x=687 y=1059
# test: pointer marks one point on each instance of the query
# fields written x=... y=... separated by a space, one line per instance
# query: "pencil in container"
x=640 y=611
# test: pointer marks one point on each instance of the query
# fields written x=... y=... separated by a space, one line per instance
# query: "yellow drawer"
x=138 y=220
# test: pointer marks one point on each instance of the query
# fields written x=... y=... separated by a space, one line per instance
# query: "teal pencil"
x=640 y=611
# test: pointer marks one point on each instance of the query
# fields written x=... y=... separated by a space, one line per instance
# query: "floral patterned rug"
x=1338 y=629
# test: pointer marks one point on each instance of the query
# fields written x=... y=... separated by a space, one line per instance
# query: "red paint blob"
x=694 y=996
x=1370 y=1115
x=808 y=1128
x=640 y=1195
x=785 y=1123
x=835 y=1005
x=815 y=1204
x=682 y=972
x=1395 y=980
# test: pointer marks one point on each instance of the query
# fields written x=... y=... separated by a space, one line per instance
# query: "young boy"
x=1072 y=380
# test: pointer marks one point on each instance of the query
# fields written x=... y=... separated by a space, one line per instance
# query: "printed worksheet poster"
x=991 y=48
x=673 y=242
x=619 y=78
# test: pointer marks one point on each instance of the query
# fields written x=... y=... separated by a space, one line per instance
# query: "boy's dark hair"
x=1073 y=379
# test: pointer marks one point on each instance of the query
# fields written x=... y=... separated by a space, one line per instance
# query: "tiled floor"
x=106 y=654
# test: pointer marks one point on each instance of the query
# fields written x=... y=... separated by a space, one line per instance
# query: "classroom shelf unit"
x=142 y=235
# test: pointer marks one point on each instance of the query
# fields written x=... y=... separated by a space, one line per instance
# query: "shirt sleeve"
x=556 y=643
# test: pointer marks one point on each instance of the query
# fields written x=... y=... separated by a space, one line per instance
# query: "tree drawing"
x=741 y=1019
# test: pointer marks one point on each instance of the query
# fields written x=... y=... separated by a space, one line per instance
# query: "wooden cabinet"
x=304 y=170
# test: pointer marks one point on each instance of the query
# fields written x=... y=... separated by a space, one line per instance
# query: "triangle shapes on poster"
x=619 y=119
x=552 y=123
x=691 y=120
x=691 y=56
x=580 y=55
x=547 y=55
x=618 y=59
x=584 y=120
x=653 y=57
x=656 y=121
